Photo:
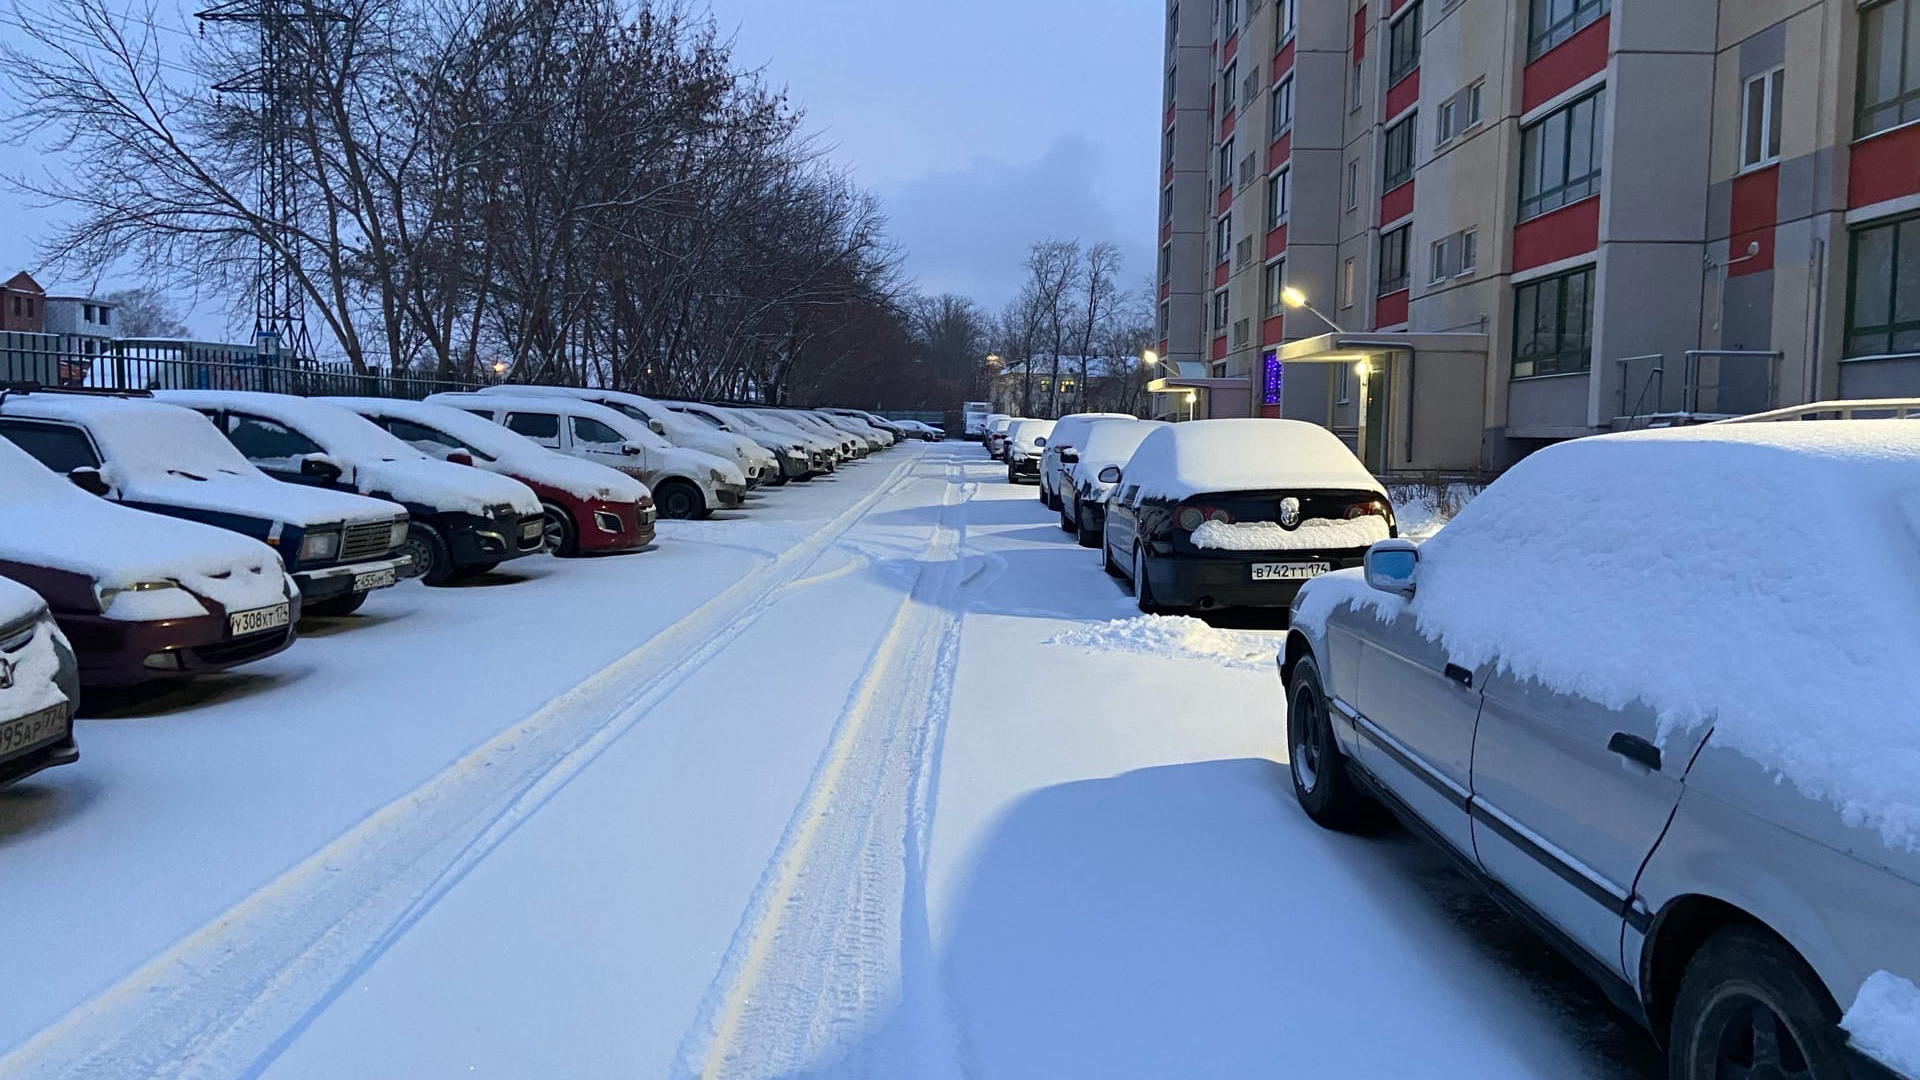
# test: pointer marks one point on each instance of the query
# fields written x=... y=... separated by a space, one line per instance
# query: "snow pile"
x=1179 y=637
x=1314 y=534
x=498 y=450
x=1420 y=510
x=1746 y=577
x=1181 y=460
x=1885 y=1022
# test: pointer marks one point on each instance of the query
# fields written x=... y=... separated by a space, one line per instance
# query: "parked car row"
x=164 y=535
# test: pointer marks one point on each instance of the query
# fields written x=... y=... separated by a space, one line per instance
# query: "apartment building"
x=1518 y=221
x=84 y=324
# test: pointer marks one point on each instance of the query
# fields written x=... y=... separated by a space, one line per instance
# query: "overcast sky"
x=982 y=124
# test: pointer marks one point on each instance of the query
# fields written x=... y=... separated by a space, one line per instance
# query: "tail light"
x=1370 y=508
x=1192 y=517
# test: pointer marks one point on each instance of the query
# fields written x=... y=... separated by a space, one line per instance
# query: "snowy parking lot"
x=854 y=782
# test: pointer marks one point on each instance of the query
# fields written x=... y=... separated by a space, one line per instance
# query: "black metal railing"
x=156 y=364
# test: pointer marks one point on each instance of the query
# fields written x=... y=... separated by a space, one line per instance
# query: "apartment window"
x=1342 y=383
x=1173 y=80
x=1444 y=128
x=1403 y=44
x=1889 y=92
x=1230 y=15
x=86 y=312
x=1560 y=157
x=1228 y=82
x=1166 y=262
x=1439 y=254
x=1166 y=316
x=1553 y=325
x=1220 y=310
x=1359 y=84
x=1271 y=302
x=1883 y=315
x=1166 y=143
x=1223 y=237
x=29 y=307
x=1469 y=251
x=1398 y=153
x=1346 y=283
x=1226 y=162
x=1475 y=104
x=1279 y=197
x=1554 y=21
x=1283 y=105
x=1166 y=204
x=1286 y=18
x=16 y=305
x=1760 y=119
x=105 y=312
x=1393 y=259
x=1353 y=185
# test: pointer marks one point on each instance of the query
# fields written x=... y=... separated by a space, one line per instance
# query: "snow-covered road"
x=808 y=792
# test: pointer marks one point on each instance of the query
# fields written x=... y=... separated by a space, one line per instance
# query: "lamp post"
x=1294 y=298
x=1191 y=399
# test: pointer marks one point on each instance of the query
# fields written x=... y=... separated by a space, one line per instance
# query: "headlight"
x=175 y=606
x=319 y=545
x=398 y=534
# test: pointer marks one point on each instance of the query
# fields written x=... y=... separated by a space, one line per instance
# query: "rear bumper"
x=1024 y=468
x=345 y=579
x=1205 y=583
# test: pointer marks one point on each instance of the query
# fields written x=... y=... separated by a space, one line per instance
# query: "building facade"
x=23 y=304
x=83 y=323
x=1518 y=221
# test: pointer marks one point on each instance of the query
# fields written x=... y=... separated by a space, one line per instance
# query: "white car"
x=925 y=432
x=845 y=443
x=41 y=688
x=685 y=483
x=1063 y=443
x=877 y=438
x=754 y=460
x=801 y=457
x=463 y=521
x=996 y=437
x=1083 y=495
x=1025 y=441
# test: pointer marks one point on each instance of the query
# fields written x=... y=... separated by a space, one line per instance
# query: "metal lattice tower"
x=280 y=314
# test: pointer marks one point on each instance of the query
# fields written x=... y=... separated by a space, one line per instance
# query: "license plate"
x=30 y=731
x=1288 y=571
x=375 y=579
x=532 y=530
x=265 y=618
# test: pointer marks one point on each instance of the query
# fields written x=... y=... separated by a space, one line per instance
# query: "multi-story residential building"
x=1528 y=220
x=84 y=324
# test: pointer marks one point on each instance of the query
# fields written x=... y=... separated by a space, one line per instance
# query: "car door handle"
x=1635 y=749
x=1460 y=675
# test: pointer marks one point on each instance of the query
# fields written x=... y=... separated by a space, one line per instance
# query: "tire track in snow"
x=229 y=998
x=832 y=969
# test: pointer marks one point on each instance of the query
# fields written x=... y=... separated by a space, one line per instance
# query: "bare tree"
x=145 y=313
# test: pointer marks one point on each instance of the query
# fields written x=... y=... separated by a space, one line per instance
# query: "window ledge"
x=1557 y=209
x=1759 y=166
x=1880 y=357
x=1555 y=375
x=1884 y=131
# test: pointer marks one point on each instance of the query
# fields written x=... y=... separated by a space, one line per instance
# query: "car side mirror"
x=1039 y=440
x=1110 y=474
x=1068 y=455
x=321 y=468
x=657 y=427
x=90 y=480
x=460 y=457
x=1392 y=565
x=630 y=449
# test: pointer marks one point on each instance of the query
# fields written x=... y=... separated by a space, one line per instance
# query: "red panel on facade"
x=1272 y=330
x=1280 y=151
x=1884 y=167
x=1566 y=64
x=1166 y=232
x=1221 y=273
x=1232 y=48
x=1166 y=289
x=1563 y=234
x=1228 y=122
x=1394 y=8
x=1166 y=176
x=1360 y=33
x=1276 y=241
x=1283 y=62
x=1225 y=201
x=1220 y=347
x=1396 y=204
x=1162 y=350
x=1169 y=122
x=1756 y=207
x=1404 y=94
x=1391 y=309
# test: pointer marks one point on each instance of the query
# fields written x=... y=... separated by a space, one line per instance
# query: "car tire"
x=429 y=552
x=1066 y=523
x=680 y=500
x=335 y=606
x=1087 y=537
x=1106 y=557
x=1748 y=1001
x=1142 y=588
x=562 y=537
x=1010 y=478
x=1040 y=488
x=1320 y=781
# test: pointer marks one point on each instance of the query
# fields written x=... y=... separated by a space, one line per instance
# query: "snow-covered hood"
x=577 y=477
x=18 y=603
x=442 y=485
x=256 y=495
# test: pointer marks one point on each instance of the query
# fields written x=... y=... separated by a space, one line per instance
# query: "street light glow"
x=1293 y=297
x=1149 y=357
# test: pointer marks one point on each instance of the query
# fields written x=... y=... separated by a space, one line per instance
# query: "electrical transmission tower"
x=280 y=83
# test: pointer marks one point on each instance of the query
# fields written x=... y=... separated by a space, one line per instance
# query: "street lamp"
x=1149 y=357
x=1191 y=399
x=1297 y=299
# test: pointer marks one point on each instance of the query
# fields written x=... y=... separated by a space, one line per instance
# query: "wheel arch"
x=1678 y=932
x=1297 y=647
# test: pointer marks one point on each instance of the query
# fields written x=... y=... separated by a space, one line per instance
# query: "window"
x=1226 y=162
x=1166 y=262
x=1444 y=129
x=1469 y=251
x=425 y=439
x=1889 y=91
x=1223 y=237
x=1166 y=317
x=57 y=446
x=1228 y=81
x=1283 y=105
x=1883 y=315
x=16 y=305
x=1403 y=44
x=1230 y=15
x=1553 y=325
x=1220 y=310
x=86 y=312
x=1342 y=383
x=1286 y=18
x=1166 y=204
x=588 y=430
x=1346 y=283
x=1440 y=253
x=543 y=428
x=1560 y=157
x=1760 y=119
x=260 y=439
x=1359 y=84
x=1279 y=195
x=1353 y=185
x=1393 y=259
x=1475 y=104
x=1271 y=302
x=1399 y=153
x=1173 y=81
x=1167 y=145
x=1554 y=21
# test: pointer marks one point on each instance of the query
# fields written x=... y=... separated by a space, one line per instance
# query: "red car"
x=590 y=509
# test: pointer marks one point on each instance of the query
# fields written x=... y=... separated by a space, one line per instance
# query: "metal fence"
x=166 y=364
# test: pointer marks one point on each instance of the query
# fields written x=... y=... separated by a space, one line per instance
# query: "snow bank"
x=1179 y=637
x=1884 y=1022
x=498 y=450
x=1748 y=577
x=1181 y=460
x=1314 y=534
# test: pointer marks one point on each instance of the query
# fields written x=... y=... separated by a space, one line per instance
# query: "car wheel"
x=334 y=606
x=429 y=553
x=1010 y=478
x=679 y=500
x=778 y=479
x=562 y=538
x=1320 y=780
x=1066 y=523
x=1087 y=537
x=1040 y=488
x=1750 y=1007
x=1142 y=588
x=1106 y=555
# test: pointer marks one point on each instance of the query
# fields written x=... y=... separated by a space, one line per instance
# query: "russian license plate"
x=375 y=579
x=33 y=729
x=1288 y=571
x=533 y=530
x=258 y=619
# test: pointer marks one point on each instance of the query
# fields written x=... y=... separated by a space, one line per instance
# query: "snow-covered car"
x=154 y=456
x=800 y=458
x=916 y=429
x=996 y=437
x=892 y=427
x=140 y=596
x=1063 y=447
x=877 y=438
x=461 y=521
x=1238 y=513
x=1656 y=690
x=1083 y=497
x=588 y=509
x=1024 y=442
x=39 y=687
x=754 y=461
x=848 y=445
x=685 y=483
x=831 y=449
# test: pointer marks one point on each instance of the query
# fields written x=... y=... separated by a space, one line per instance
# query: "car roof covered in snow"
x=1021 y=433
x=1112 y=442
x=1071 y=430
x=1202 y=456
